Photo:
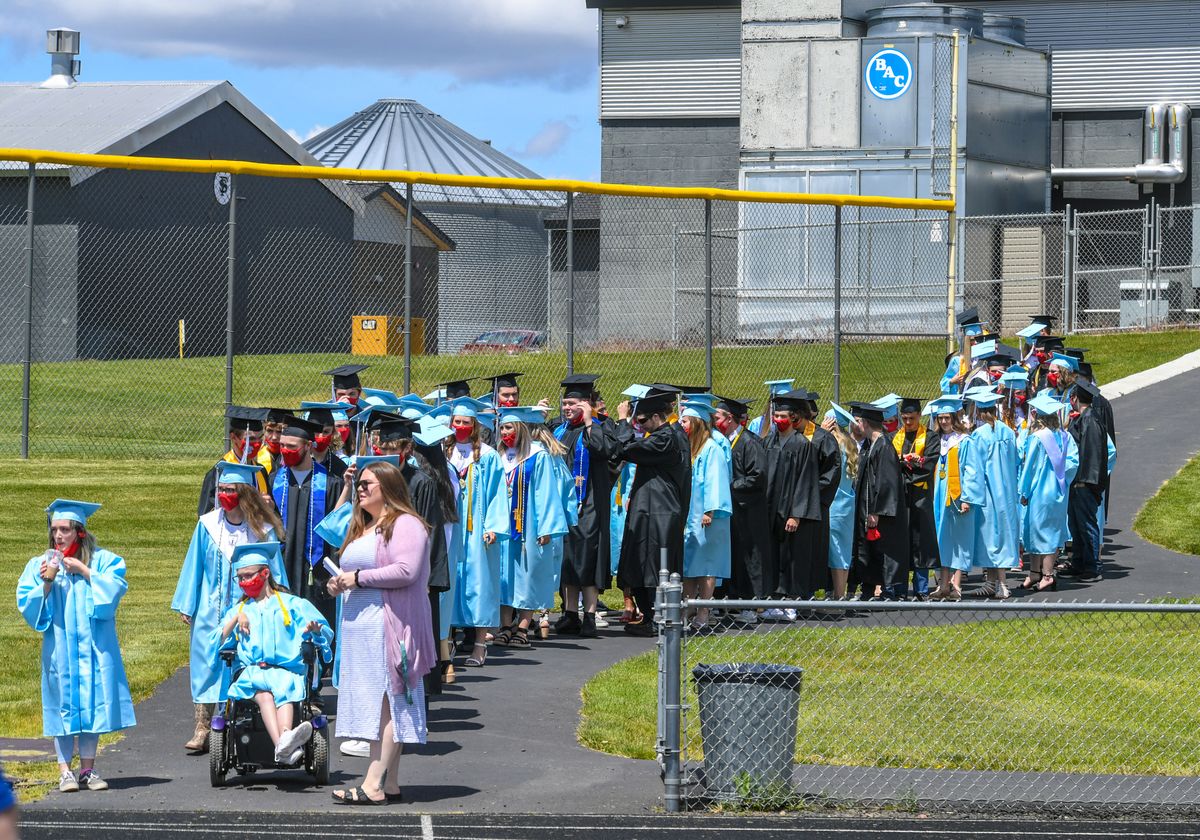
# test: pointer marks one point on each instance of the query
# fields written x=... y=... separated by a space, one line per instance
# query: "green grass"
x=172 y=408
x=1080 y=693
x=1169 y=518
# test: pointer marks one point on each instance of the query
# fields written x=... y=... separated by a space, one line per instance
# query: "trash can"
x=748 y=718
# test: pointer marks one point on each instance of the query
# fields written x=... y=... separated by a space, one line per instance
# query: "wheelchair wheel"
x=216 y=758
x=318 y=752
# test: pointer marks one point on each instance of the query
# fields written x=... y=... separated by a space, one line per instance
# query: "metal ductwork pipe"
x=1164 y=152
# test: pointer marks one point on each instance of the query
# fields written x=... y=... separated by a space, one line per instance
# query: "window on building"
x=587 y=250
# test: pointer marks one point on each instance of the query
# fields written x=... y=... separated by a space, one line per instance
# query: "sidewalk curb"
x=1146 y=378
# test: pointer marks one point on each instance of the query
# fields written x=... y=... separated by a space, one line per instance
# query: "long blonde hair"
x=698 y=434
x=849 y=449
x=476 y=440
x=396 y=503
x=260 y=519
x=547 y=439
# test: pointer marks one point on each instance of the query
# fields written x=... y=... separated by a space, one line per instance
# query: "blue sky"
x=521 y=73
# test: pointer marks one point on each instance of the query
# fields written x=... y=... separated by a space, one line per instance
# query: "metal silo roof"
x=404 y=134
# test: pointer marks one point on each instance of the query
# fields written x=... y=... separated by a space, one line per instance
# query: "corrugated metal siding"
x=671 y=63
x=1117 y=54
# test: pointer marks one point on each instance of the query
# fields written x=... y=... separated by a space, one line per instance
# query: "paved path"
x=503 y=739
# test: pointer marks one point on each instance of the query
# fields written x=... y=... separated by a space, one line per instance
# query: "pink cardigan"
x=402 y=573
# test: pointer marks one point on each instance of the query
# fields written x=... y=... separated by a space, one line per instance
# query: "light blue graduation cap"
x=1062 y=360
x=337 y=409
x=256 y=554
x=890 y=405
x=437 y=395
x=636 y=392
x=843 y=417
x=466 y=407
x=1015 y=377
x=528 y=414
x=943 y=405
x=710 y=400
x=335 y=524
x=973 y=329
x=228 y=473
x=983 y=349
x=378 y=396
x=1043 y=403
x=364 y=461
x=442 y=412
x=779 y=386
x=696 y=408
x=1033 y=330
x=71 y=510
x=987 y=400
x=431 y=431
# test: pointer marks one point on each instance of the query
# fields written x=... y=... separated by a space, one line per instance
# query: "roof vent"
x=63 y=46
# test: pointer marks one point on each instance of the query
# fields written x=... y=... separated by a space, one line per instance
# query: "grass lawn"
x=173 y=408
x=1080 y=693
x=1169 y=518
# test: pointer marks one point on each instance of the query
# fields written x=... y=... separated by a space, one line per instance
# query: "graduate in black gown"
x=794 y=503
x=919 y=449
x=829 y=476
x=881 y=541
x=590 y=451
x=347 y=388
x=658 y=498
x=750 y=525
x=1087 y=489
x=304 y=492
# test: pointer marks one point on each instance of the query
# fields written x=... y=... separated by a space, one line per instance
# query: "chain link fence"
x=1011 y=708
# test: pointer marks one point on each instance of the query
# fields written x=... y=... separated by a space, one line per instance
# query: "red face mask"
x=292 y=457
x=1019 y=398
x=891 y=425
x=994 y=375
x=321 y=442
x=782 y=425
x=376 y=450
x=724 y=425
x=273 y=447
x=344 y=433
x=254 y=586
x=351 y=400
x=509 y=439
x=506 y=403
x=1040 y=356
x=239 y=448
x=462 y=429
x=228 y=501
x=1052 y=378
x=73 y=549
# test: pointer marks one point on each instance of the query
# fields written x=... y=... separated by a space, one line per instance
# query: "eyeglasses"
x=366 y=485
x=250 y=576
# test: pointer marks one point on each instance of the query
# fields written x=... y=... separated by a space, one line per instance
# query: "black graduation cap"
x=1048 y=320
x=1007 y=352
x=970 y=315
x=738 y=408
x=1075 y=352
x=986 y=337
x=278 y=415
x=866 y=411
x=794 y=400
x=580 y=385
x=1088 y=388
x=910 y=405
x=456 y=388
x=346 y=376
x=503 y=380
x=656 y=400
x=305 y=429
x=243 y=418
x=391 y=427
x=324 y=416
x=1048 y=342
x=680 y=389
x=1086 y=369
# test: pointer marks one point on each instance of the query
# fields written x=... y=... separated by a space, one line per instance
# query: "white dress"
x=363 y=679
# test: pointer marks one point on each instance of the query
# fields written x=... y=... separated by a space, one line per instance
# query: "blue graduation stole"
x=315 y=546
x=582 y=463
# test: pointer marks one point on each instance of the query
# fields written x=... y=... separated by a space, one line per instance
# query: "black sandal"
x=357 y=796
x=503 y=637
x=520 y=639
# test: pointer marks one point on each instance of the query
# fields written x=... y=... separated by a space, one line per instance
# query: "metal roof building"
x=497 y=275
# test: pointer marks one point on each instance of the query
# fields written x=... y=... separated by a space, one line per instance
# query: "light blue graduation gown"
x=956 y=530
x=205 y=591
x=726 y=447
x=841 y=521
x=992 y=454
x=946 y=386
x=529 y=574
x=568 y=504
x=84 y=689
x=619 y=510
x=1043 y=520
x=482 y=507
x=707 y=551
x=273 y=641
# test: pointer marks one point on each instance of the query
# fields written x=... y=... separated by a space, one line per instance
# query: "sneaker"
x=90 y=780
x=292 y=739
x=67 y=783
x=774 y=614
x=789 y=615
x=1089 y=577
x=296 y=755
x=746 y=617
x=601 y=621
x=1002 y=593
x=356 y=748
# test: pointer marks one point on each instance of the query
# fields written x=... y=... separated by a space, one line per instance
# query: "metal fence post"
x=230 y=279
x=1067 y=271
x=27 y=349
x=672 y=633
x=408 y=271
x=837 y=303
x=708 y=295
x=570 y=283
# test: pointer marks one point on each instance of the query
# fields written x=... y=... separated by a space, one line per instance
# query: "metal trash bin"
x=748 y=716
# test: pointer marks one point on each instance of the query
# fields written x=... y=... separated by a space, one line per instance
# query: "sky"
x=521 y=73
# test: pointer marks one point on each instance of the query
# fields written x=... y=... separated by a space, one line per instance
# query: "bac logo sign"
x=889 y=74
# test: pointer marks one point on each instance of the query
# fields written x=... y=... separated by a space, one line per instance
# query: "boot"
x=587 y=629
x=199 y=741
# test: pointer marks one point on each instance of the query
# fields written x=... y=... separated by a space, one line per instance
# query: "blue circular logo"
x=889 y=74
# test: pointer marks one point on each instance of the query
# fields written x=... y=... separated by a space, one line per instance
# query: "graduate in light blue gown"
x=267 y=628
x=1051 y=461
x=719 y=439
x=706 y=538
x=537 y=519
x=206 y=588
x=841 y=512
x=70 y=595
x=992 y=454
x=483 y=515
x=957 y=492
x=958 y=366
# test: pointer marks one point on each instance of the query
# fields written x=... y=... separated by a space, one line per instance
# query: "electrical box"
x=383 y=335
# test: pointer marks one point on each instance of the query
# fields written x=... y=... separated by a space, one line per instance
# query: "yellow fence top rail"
x=276 y=170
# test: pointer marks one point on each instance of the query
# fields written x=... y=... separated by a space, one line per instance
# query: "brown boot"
x=199 y=741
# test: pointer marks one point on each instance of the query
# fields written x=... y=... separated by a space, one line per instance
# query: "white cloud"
x=549 y=139
x=472 y=40
x=308 y=135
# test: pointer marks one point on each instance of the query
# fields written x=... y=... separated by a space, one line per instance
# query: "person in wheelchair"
x=268 y=629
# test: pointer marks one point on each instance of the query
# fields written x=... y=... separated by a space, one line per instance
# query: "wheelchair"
x=239 y=741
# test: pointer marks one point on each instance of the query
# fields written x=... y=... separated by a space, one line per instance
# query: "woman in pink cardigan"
x=386 y=637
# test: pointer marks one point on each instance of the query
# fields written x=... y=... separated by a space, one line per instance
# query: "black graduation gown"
x=829 y=476
x=586 y=549
x=658 y=501
x=335 y=465
x=1091 y=439
x=750 y=525
x=793 y=492
x=918 y=495
x=879 y=490
x=307 y=581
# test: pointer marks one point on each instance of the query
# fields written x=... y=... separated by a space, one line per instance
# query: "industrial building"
x=1080 y=103
x=496 y=277
x=122 y=257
